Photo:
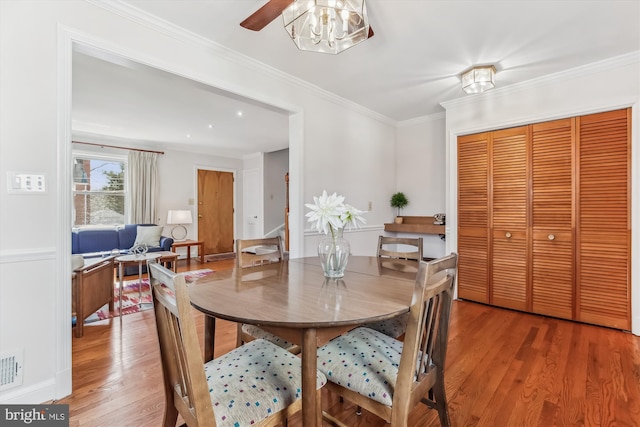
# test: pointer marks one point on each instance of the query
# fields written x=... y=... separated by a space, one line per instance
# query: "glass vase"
x=333 y=251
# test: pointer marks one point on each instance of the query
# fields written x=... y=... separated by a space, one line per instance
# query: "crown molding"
x=419 y=120
x=584 y=70
x=181 y=34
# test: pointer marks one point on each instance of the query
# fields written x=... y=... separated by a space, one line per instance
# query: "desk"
x=294 y=300
x=188 y=244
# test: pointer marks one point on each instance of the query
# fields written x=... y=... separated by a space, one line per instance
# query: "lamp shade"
x=478 y=79
x=179 y=217
x=327 y=26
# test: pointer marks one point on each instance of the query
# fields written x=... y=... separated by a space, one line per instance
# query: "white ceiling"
x=405 y=71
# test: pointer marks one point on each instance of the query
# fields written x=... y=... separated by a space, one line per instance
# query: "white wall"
x=36 y=41
x=602 y=87
x=276 y=165
x=421 y=174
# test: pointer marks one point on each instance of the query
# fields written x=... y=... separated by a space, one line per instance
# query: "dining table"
x=294 y=300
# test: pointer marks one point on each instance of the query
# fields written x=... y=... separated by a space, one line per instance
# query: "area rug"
x=131 y=296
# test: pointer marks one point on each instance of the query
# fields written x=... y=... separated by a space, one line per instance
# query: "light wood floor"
x=504 y=368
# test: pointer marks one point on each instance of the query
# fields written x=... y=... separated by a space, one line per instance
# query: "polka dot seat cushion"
x=394 y=328
x=257 y=332
x=363 y=360
x=252 y=382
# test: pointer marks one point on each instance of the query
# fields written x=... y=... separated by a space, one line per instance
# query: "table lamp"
x=179 y=218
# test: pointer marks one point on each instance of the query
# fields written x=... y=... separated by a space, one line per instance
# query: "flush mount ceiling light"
x=327 y=26
x=478 y=79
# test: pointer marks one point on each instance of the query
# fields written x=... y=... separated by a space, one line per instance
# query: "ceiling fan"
x=270 y=11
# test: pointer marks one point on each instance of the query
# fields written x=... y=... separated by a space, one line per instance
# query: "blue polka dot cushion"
x=253 y=381
x=394 y=328
x=363 y=360
x=257 y=332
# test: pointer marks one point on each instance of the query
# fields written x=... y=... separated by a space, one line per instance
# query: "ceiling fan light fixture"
x=326 y=26
x=478 y=79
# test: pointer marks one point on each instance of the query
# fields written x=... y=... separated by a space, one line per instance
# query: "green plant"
x=399 y=201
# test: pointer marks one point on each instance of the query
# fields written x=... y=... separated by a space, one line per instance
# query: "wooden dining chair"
x=389 y=377
x=257 y=384
x=397 y=248
x=251 y=253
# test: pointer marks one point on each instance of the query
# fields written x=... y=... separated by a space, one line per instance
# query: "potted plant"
x=399 y=201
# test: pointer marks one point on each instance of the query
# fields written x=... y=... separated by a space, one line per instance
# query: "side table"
x=132 y=259
x=188 y=244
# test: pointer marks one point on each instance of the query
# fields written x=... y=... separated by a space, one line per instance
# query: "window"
x=99 y=189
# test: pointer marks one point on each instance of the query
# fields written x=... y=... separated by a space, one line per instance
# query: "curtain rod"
x=115 y=146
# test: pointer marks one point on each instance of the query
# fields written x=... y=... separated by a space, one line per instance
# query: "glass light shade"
x=327 y=26
x=478 y=79
x=179 y=217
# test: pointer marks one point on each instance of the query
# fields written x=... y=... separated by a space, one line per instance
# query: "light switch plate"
x=26 y=183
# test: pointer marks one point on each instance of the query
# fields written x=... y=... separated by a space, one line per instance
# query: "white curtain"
x=143 y=187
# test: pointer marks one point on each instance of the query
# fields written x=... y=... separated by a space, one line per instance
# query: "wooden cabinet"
x=544 y=215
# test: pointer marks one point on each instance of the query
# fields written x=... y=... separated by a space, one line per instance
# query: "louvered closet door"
x=603 y=239
x=473 y=225
x=552 y=276
x=509 y=253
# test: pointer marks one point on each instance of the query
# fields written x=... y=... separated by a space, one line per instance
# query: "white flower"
x=329 y=212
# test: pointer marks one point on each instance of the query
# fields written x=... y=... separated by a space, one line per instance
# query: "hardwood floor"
x=504 y=368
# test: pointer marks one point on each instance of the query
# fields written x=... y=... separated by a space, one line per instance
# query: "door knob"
x=552 y=237
x=199 y=216
x=507 y=235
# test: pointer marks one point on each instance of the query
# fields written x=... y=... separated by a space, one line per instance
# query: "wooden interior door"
x=473 y=223
x=215 y=211
x=553 y=223
x=509 y=218
x=604 y=228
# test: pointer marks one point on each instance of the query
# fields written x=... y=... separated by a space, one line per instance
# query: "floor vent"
x=10 y=369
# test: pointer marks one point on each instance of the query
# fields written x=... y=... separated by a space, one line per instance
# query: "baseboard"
x=34 y=394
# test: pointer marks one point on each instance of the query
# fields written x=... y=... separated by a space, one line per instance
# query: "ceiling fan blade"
x=267 y=13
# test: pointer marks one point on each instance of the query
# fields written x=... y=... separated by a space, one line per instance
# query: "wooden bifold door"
x=544 y=215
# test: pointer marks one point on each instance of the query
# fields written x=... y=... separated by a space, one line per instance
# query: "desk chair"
x=390 y=248
x=411 y=371
x=251 y=253
x=216 y=393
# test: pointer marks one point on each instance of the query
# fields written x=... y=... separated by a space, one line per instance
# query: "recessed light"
x=240 y=113
x=188 y=135
x=210 y=126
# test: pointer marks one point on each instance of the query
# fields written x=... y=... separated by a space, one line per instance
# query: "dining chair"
x=257 y=384
x=390 y=377
x=397 y=248
x=251 y=253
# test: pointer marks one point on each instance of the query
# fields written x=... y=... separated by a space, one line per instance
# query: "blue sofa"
x=100 y=242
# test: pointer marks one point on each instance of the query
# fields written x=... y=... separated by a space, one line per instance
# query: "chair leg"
x=441 y=401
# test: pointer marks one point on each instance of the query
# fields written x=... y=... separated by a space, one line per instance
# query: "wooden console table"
x=188 y=244
x=417 y=225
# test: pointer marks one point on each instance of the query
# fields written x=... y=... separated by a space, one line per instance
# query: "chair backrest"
x=182 y=363
x=384 y=250
x=252 y=252
x=425 y=341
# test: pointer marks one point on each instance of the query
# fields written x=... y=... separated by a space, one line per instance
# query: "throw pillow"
x=77 y=261
x=149 y=235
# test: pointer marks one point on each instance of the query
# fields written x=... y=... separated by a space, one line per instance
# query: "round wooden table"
x=294 y=300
